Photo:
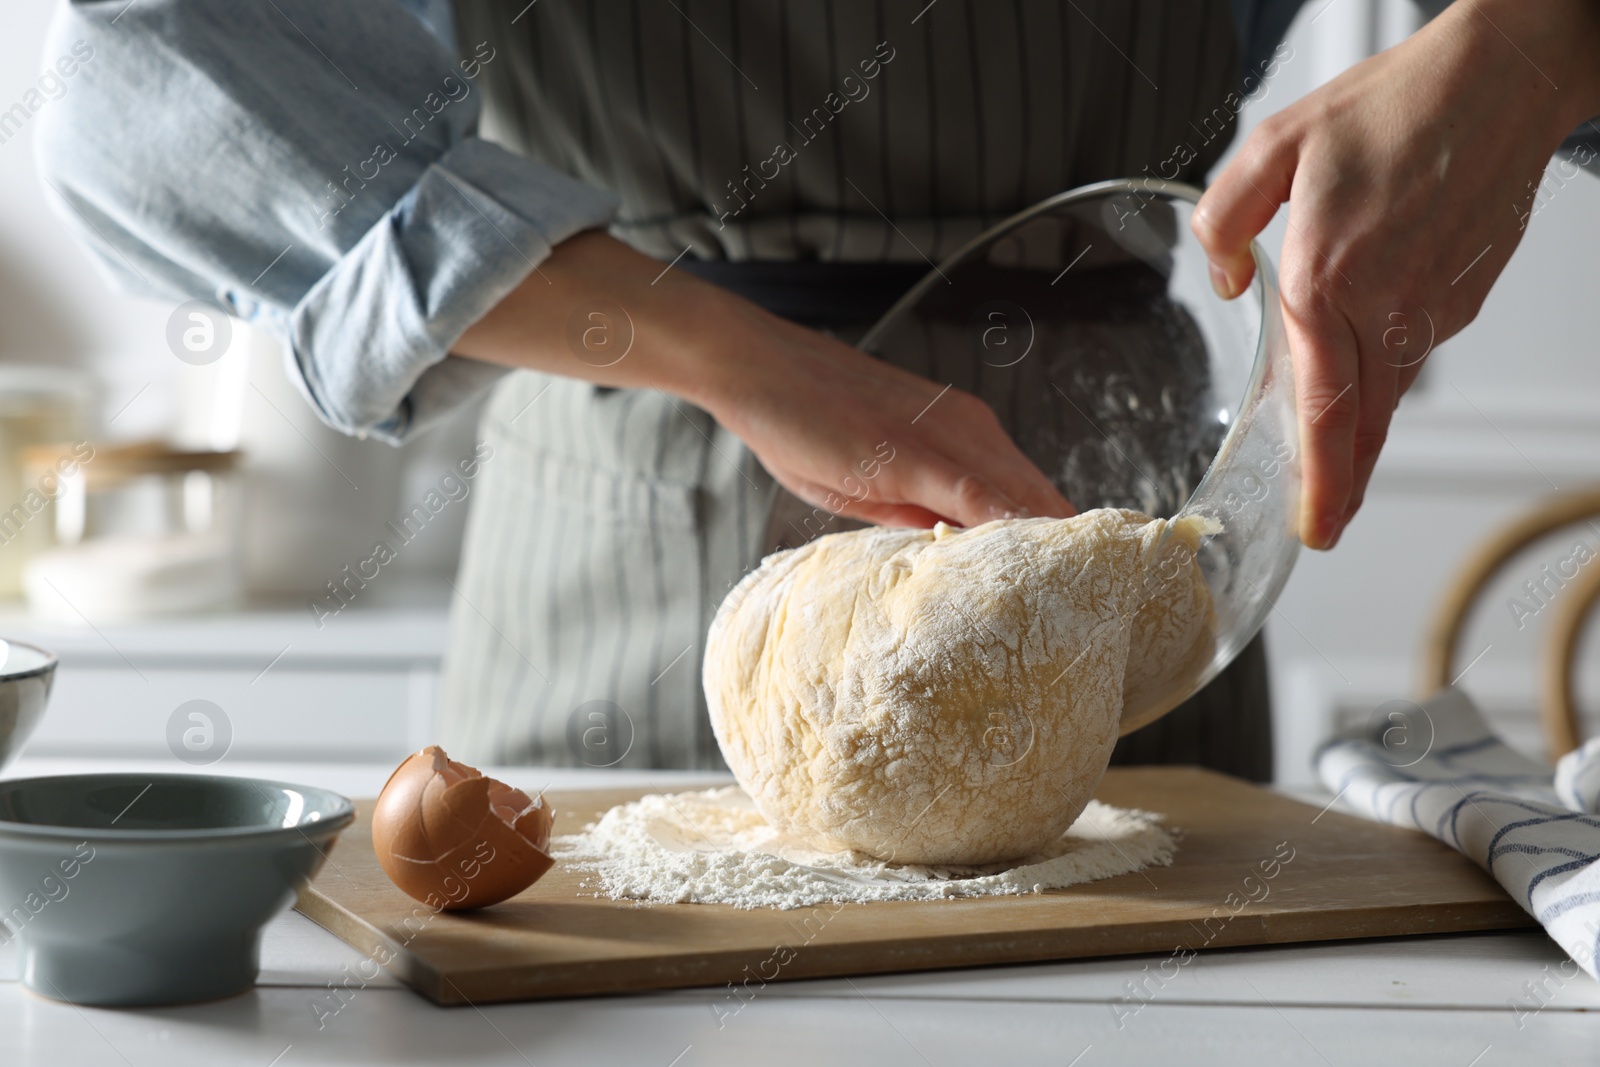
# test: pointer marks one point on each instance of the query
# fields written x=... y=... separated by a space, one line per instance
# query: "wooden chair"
x=1558 y=674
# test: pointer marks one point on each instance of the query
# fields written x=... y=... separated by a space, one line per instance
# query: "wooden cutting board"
x=1252 y=868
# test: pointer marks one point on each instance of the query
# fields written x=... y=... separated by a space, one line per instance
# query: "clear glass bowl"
x=1089 y=324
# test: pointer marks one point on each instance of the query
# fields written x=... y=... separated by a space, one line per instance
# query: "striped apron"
x=610 y=523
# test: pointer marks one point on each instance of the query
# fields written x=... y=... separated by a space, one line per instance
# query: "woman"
x=319 y=166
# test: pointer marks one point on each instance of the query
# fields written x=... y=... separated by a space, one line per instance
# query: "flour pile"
x=714 y=847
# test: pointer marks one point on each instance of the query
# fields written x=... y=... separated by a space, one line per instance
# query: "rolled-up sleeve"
x=313 y=166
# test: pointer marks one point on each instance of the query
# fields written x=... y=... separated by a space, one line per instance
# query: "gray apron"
x=610 y=523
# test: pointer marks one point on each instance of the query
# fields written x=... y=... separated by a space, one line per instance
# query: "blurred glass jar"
x=38 y=404
x=134 y=531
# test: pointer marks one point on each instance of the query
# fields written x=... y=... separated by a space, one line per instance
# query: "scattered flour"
x=714 y=847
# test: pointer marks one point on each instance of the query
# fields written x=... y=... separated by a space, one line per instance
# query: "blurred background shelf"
x=360 y=688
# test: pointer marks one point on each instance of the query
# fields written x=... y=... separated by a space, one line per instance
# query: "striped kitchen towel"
x=1438 y=767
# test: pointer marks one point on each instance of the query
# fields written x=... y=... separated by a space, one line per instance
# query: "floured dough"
x=949 y=696
x=1174 y=628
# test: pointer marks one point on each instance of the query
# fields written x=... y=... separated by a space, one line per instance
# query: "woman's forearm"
x=1559 y=40
x=597 y=310
x=819 y=414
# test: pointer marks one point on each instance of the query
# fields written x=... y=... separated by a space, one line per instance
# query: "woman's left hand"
x=1412 y=177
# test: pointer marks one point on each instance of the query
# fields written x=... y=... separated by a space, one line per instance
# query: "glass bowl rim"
x=1259 y=281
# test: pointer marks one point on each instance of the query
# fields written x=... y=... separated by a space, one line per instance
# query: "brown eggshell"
x=454 y=839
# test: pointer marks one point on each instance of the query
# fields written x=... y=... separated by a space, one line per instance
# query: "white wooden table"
x=1480 y=1000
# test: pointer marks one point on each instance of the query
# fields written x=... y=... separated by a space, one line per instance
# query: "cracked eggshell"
x=454 y=839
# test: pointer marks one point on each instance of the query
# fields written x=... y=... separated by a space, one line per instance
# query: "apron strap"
x=811 y=293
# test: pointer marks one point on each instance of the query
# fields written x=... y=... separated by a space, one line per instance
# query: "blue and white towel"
x=1438 y=767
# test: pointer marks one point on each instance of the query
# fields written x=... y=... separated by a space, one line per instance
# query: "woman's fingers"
x=858 y=437
x=971 y=436
x=1327 y=379
x=892 y=514
x=1017 y=476
x=919 y=487
x=953 y=461
x=930 y=488
x=949 y=490
x=1380 y=390
x=1240 y=203
x=1042 y=499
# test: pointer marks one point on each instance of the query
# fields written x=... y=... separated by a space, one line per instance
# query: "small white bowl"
x=26 y=674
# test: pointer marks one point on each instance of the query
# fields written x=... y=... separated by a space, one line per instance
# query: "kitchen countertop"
x=1469 y=1000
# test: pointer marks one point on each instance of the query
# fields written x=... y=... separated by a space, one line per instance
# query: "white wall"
x=53 y=307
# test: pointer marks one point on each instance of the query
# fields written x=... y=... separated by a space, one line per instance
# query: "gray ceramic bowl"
x=153 y=888
x=26 y=674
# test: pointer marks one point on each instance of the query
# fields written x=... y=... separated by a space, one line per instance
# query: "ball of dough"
x=1174 y=629
x=944 y=696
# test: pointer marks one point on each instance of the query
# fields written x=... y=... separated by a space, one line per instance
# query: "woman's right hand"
x=858 y=437
x=841 y=430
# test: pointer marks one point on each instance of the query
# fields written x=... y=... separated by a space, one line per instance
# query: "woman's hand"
x=836 y=427
x=1412 y=177
x=853 y=435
